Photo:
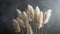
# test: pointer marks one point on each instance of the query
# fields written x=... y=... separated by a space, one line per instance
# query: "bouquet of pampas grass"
x=30 y=14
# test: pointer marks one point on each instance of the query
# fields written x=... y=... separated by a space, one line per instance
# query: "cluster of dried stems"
x=30 y=14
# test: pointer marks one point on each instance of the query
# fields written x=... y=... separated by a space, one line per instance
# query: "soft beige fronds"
x=47 y=16
x=30 y=15
x=20 y=22
x=25 y=19
x=20 y=15
x=37 y=15
x=16 y=25
x=40 y=20
x=30 y=12
x=26 y=23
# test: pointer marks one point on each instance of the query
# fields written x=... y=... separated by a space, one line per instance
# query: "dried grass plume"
x=47 y=16
x=16 y=26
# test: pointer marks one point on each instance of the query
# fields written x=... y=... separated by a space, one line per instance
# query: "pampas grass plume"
x=30 y=12
x=47 y=16
x=40 y=20
x=26 y=22
x=38 y=17
x=20 y=22
x=25 y=19
x=16 y=25
x=20 y=15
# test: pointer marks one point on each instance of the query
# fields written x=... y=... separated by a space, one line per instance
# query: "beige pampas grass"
x=16 y=25
x=21 y=23
x=40 y=20
x=47 y=16
x=38 y=17
x=24 y=21
x=30 y=12
x=20 y=15
x=23 y=16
